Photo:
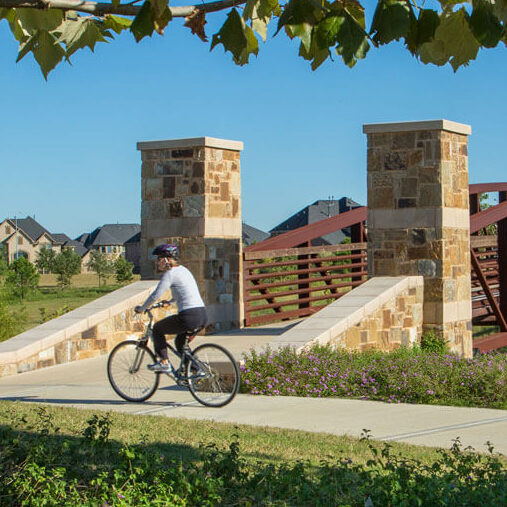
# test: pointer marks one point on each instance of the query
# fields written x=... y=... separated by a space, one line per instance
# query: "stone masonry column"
x=418 y=218
x=191 y=196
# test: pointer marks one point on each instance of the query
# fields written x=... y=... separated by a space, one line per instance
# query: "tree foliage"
x=45 y=260
x=123 y=269
x=66 y=265
x=22 y=277
x=451 y=32
x=100 y=264
x=4 y=260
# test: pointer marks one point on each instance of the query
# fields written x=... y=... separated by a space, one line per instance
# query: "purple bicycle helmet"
x=166 y=250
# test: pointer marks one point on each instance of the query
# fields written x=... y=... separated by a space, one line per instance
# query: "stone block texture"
x=398 y=322
x=418 y=218
x=191 y=196
x=119 y=323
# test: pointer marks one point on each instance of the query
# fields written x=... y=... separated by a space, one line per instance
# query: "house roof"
x=252 y=235
x=30 y=227
x=60 y=237
x=319 y=210
x=78 y=247
x=112 y=234
x=136 y=238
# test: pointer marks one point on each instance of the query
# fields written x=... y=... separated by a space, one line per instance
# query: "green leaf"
x=327 y=30
x=318 y=55
x=47 y=52
x=11 y=16
x=236 y=37
x=352 y=42
x=485 y=25
x=298 y=19
x=161 y=15
x=260 y=12
x=35 y=19
x=453 y=42
x=26 y=46
x=422 y=30
x=158 y=7
x=84 y=32
x=117 y=23
x=143 y=24
x=391 y=21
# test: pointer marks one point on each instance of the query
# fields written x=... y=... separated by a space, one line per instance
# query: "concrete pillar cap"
x=192 y=142
x=411 y=126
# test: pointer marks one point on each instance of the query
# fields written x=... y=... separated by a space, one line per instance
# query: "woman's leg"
x=169 y=325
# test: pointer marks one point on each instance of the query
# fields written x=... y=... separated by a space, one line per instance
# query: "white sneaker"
x=159 y=367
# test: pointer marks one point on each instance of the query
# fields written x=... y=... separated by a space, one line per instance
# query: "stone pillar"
x=418 y=218
x=191 y=196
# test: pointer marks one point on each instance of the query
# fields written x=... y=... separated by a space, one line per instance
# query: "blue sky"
x=69 y=155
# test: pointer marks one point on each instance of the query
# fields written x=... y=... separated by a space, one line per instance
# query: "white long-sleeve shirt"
x=183 y=288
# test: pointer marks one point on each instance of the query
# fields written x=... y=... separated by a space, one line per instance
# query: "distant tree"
x=22 y=277
x=45 y=260
x=66 y=265
x=123 y=269
x=11 y=322
x=4 y=260
x=485 y=203
x=99 y=263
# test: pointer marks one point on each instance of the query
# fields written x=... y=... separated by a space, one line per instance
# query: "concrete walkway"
x=84 y=384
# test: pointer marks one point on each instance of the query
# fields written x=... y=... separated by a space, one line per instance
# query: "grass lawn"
x=184 y=439
x=84 y=288
x=65 y=456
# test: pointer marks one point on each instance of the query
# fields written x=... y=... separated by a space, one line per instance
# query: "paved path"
x=84 y=384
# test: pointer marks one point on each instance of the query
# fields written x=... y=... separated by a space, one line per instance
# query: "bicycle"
x=209 y=371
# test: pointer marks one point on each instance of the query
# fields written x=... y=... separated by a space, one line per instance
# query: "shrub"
x=430 y=342
x=409 y=376
x=123 y=269
x=11 y=322
x=22 y=277
x=45 y=316
x=66 y=265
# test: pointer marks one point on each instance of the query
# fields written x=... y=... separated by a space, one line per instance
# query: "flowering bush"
x=408 y=376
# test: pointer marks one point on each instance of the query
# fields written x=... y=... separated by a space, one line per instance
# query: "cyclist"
x=191 y=310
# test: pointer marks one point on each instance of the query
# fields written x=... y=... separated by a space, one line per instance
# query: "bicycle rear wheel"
x=213 y=375
x=127 y=370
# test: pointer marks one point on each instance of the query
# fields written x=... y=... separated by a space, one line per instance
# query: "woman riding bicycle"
x=191 y=310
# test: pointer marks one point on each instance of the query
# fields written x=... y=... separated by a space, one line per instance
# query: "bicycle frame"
x=186 y=355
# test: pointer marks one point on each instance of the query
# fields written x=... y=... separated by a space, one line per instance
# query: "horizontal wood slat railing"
x=280 y=285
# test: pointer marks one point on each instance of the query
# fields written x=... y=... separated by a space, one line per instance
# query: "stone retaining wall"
x=88 y=331
x=383 y=313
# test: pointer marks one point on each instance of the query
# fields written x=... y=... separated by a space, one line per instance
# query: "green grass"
x=53 y=300
x=183 y=438
x=64 y=456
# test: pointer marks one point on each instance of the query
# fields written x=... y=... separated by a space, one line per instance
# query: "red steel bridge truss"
x=286 y=277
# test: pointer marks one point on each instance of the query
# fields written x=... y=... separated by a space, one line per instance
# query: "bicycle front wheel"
x=127 y=370
x=213 y=375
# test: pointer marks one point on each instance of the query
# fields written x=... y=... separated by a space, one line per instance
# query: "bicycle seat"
x=190 y=334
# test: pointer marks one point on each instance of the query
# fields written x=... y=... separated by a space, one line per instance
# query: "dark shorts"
x=178 y=325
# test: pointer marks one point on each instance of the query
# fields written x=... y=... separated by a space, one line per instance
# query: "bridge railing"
x=295 y=282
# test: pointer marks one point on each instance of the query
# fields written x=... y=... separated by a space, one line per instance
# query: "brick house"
x=25 y=237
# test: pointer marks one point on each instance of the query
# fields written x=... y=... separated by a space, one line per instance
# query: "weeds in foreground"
x=39 y=466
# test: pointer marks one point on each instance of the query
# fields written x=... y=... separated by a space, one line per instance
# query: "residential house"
x=252 y=235
x=315 y=212
x=26 y=237
x=115 y=240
